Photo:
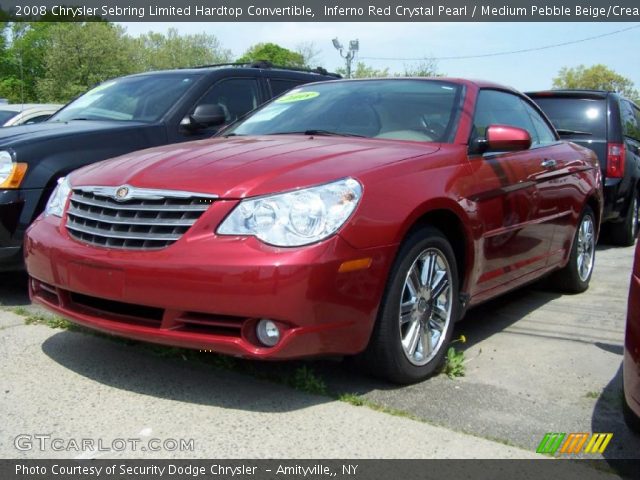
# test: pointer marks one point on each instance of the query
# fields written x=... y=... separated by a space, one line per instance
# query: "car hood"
x=248 y=166
x=16 y=135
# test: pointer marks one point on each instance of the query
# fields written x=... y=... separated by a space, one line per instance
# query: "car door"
x=516 y=230
x=560 y=184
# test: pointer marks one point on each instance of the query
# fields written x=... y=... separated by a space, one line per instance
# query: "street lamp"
x=354 y=46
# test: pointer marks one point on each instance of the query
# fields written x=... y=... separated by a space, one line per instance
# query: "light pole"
x=354 y=46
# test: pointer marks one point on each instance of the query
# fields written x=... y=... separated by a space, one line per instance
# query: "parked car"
x=121 y=116
x=631 y=363
x=609 y=125
x=26 y=114
x=348 y=217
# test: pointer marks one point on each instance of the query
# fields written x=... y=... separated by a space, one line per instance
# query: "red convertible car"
x=631 y=362
x=349 y=217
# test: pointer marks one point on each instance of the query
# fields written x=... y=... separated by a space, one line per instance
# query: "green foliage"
x=52 y=321
x=352 y=398
x=273 y=53
x=425 y=68
x=55 y=61
x=157 y=51
x=81 y=55
x=454 y=364
x=305 y=380
x=597 y=77
x=363 y=70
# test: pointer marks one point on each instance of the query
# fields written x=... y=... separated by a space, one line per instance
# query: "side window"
x=495 y=107
x=236 y=96
x=37 y=119
x=281 y=85
x=544 y=133
x=630 y=124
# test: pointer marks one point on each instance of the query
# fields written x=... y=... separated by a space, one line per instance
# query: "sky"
x=524 y=71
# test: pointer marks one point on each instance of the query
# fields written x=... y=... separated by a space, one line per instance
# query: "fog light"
x=268 y=332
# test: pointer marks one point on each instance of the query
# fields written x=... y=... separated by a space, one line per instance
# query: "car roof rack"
x=265 y=64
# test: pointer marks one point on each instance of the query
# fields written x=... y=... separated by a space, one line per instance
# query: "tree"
x=23 y=60
x=81 y=55
x=597 y=77
x=425 y=68
x=363 y=70
x=309 y=52
x=273 y=53
x=157 y=51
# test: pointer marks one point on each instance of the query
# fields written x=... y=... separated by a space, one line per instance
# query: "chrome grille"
x=136 y=219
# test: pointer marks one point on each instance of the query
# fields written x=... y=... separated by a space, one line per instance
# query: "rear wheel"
x=625 y=233
x=630 y=418
x=575 y=276
x=419 y=308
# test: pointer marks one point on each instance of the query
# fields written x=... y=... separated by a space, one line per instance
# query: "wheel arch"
x=452 y=224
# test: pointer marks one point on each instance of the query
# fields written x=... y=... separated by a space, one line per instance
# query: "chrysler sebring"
x=358 y=217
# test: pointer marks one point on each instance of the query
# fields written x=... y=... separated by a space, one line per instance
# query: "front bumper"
x=17 y=209
x=631 y=362
x=208 y=292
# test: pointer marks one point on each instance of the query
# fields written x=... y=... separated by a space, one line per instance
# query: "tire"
x=630 y=418
x=624 y=233
x=575 y=276
x=400 y=349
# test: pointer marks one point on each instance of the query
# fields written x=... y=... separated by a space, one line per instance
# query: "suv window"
x=501 y=108
x=630 y=120
x=577 y=114
x=236 y=96
x=280 y=85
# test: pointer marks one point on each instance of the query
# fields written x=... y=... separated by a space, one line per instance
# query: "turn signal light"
x=14 y=179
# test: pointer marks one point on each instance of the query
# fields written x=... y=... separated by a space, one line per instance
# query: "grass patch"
x=52 y=321
x=352 y=399
x=454 y=363
x=22 y=311
x=593 y=394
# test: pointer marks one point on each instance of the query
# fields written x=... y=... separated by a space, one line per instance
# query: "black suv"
x=120 y=116
x=609 y=125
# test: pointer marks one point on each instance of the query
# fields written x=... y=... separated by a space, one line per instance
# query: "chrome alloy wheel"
x=586 y=247
x=425 y=306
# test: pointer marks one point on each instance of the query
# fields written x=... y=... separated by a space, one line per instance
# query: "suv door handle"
x=548 y=163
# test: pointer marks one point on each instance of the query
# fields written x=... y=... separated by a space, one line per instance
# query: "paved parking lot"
x=536 y=362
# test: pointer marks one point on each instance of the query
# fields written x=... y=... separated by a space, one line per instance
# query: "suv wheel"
x=625 y=233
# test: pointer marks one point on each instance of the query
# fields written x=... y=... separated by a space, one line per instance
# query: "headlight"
x=11 y=172
x=58 y=199
x=295 y=218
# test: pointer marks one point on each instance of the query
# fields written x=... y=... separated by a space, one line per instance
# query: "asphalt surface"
x=536 y=362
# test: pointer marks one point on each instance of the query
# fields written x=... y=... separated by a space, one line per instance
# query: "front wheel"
x=418 y=310
x=575 y=277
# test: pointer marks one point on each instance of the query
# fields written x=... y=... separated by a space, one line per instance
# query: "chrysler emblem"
x=122 y=193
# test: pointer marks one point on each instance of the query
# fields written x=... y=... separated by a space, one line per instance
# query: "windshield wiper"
x=564 y=131
x=318 y=132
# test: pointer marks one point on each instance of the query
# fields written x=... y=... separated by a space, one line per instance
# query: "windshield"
x=576 y=116
x=141 y=98
x=394 y=109
x=6 y=115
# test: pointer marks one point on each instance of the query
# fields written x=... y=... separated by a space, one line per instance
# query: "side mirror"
x=208 y=115
x=505 y=138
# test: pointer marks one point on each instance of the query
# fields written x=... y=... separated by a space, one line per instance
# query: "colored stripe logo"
x=573 y=443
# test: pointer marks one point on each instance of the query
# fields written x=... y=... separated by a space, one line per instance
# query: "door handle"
x=548 y=163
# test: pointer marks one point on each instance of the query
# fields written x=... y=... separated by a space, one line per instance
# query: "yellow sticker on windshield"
x=297 y=97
